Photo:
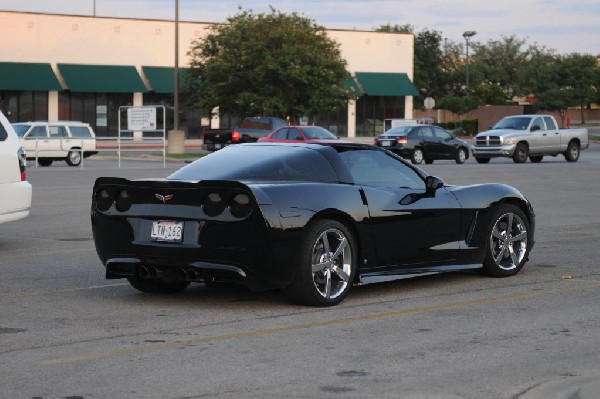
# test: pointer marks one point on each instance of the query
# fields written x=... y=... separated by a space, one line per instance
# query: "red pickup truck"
x=250 y=130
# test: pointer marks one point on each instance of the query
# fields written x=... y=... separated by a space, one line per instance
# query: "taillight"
x=240 y=206
x=22 y=158
x=123 y=201
x=375 y=142
x=402 y=140
x=213 y=204
x=104 y=200
x=235 y=136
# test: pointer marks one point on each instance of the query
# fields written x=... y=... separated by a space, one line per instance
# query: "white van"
x=57 y=141
x=15 y=190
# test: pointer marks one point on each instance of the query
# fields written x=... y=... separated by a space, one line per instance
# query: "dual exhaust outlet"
x=182 y=274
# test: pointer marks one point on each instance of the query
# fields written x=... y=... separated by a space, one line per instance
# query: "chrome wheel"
x=508 y=241
x=331 y=263
x=74 y=158
x=417 y=156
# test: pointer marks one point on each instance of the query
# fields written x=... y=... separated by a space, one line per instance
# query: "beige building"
x=67 y=67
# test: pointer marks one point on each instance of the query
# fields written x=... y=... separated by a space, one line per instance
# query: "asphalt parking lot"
x=65 y=331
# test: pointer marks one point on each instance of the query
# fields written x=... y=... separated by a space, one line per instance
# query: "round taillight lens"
x=103 y=200
x=123 y=201
x=213 y=204
x=240 y=206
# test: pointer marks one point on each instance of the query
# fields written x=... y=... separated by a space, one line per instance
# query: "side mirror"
x=433 y=183
x=535 y=128
x=299 y=138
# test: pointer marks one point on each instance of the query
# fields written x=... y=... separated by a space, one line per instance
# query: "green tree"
x=272 y=64
x=429 y=77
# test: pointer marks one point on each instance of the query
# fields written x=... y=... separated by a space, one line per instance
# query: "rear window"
x=315 y=132
x=264 y=124
x=80 y=131
x=21 y=129
x=260 y=163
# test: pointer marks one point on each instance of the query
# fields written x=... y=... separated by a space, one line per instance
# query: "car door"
x=552 y=137
x=294 y=135
x=537 y=136
x=428 y=142
x=280 y=136
x=446 y=147
x=411 y=228
x=37 y=142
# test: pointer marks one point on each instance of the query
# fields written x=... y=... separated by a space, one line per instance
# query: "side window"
x=441 y=133
x=281 y=134
x=57 y=132
x=294 y=134
x=80 y=131
x=38 y=131
x=376 y=168
x=538 y=124
x=550 y=123
x=426 y=132
x=3 y=133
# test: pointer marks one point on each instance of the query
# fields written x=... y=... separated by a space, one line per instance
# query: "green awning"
x=26 y=76
x=387 y=84
x=102 y=78
x=162 y=78
x=351 y=83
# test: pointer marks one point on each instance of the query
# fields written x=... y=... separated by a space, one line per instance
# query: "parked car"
x=423 y=143
x=251 y=129
x=57 y=141
x=311 y=219
x=299 y=134
x=534 y=136
x=15 y=190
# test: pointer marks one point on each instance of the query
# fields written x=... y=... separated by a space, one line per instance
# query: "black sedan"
x=423 y=143
x=311 y=219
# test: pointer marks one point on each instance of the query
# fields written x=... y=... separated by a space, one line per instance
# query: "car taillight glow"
x=375 y=142
x=235 y=136
x=402 y=140
x=123 y=201
x=22 y=158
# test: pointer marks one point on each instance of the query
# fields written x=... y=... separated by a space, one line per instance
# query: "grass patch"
x=595 y=138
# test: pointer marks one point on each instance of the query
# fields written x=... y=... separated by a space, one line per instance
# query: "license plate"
x=167 y=231
x=386 y=143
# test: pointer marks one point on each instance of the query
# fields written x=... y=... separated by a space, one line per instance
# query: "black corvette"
x=311 y=219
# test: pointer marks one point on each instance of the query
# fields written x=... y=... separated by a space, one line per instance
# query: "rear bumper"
x=16 y=201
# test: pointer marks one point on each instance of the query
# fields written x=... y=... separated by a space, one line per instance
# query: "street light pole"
x=176 y=77
x=467 y=35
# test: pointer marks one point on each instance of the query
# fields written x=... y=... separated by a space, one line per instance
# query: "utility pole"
x=467 y=35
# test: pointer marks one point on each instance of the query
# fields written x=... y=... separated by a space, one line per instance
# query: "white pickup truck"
x=533 y=136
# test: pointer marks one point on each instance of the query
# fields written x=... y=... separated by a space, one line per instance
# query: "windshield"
x=399 y=130
x=516 y=123
x=21 y=129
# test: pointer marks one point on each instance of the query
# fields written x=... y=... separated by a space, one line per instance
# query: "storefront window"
x=24 y=106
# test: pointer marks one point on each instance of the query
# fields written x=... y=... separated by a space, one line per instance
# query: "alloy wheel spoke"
x=510 y=222
x=340 y=248
x=514 y=257
x=325 y=240
x=496 y=233
x=321 y=266
x=520 y=236
x=328 y=284
x=341 y=274
x=500 y=255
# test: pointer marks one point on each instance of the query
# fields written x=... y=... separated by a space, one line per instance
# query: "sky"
x=566 y=26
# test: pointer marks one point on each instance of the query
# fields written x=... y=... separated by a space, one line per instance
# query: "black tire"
x=73 y=157
x=429 y=161
x=319 y=280
x=44 y=162
x=157 y=286
x=482 y=160
x=507 y=241
x=521 y=153
x=417 y=156
x=573 y=151
x=461 y=156
x=536 y=158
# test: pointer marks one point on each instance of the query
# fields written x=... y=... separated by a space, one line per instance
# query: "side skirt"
x=387 y=275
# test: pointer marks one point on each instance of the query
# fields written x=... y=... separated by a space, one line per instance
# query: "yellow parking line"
x=304 y=326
